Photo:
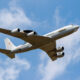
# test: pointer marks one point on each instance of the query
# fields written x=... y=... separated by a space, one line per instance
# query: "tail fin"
x=9 y=45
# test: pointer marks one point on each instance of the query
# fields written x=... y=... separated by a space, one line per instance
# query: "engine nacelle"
x=31 y=33
x=15 y=30
x=60 y=49
x=60 y=54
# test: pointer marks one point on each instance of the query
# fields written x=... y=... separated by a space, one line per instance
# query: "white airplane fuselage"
x=55 y=35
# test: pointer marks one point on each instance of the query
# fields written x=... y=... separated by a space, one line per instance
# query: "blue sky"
x=42 y=16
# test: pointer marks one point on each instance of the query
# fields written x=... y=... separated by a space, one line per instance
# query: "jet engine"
x=30 y=32
x=60 y=49
x=15 y=30
x=60 y=54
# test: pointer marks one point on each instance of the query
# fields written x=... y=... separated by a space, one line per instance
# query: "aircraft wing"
x=34 y=39
x=37 y=40
x=8 y=32
x=50 y=50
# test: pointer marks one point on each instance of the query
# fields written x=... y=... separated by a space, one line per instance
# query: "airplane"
x=46 y=42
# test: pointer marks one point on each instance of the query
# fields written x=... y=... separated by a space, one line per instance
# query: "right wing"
x=50 y=49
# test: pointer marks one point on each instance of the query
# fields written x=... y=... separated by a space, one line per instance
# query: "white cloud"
x=10 y=69
x=57 y=20
x=14 y=16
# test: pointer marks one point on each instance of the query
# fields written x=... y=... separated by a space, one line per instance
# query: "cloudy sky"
x=41 y=16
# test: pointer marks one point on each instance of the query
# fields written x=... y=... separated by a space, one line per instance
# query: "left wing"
x=8 y=32
x=50 y=49
x=34 y=39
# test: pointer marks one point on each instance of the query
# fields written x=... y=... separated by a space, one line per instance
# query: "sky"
x=42 y=16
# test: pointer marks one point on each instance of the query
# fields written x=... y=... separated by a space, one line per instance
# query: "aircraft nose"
x=77 y=27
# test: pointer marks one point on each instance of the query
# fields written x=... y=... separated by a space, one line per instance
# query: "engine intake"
x=60 y=49
x=15 y=30
x=60 y=54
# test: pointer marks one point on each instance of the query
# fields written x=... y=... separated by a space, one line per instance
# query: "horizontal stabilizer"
x=8 y=53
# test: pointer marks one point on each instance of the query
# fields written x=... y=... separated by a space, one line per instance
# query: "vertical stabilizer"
x=9 y=45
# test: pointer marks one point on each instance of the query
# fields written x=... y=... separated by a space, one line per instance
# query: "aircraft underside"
x=46 y=42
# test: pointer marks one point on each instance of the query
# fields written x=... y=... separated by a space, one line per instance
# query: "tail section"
x=9 y=45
